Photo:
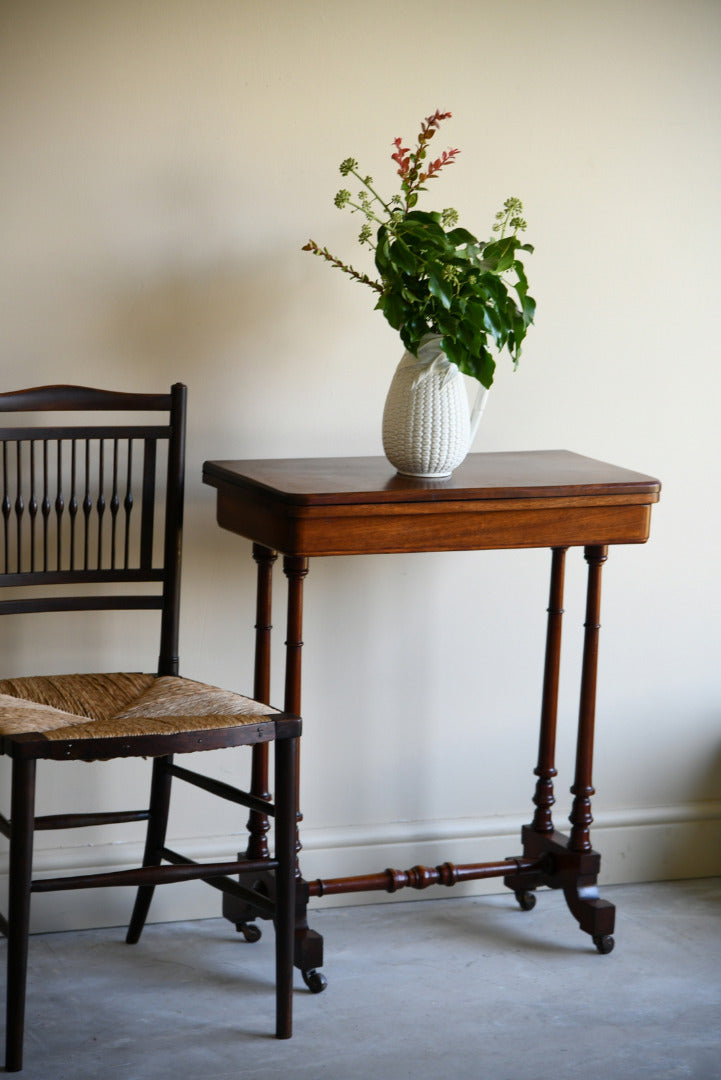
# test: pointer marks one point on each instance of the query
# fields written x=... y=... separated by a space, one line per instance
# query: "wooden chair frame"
x=58 y=538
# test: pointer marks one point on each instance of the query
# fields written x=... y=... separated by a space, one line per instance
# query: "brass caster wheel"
x=314 y=980
x=604 y=943
x=250 y=932
x=526 y=899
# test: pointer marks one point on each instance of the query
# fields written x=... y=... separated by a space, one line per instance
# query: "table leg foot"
x=242 y=914
x=308 y=955
x=576 y=873
x=308 y=951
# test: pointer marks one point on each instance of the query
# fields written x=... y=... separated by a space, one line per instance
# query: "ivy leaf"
x=393 y=308
x=382 y=255
x=401 y=254
x=423 y=236
x=485 y=367
x=528 y=305
x=494 y=324
x=455 y=351
x=425 y=217
x=459 y=237
x=439 y=288
x=501 y=253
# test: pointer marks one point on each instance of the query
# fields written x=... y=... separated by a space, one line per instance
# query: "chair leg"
x=22 y=817
x=286 y=756
x=154 y=843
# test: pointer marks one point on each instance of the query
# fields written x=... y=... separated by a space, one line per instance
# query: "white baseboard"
x=656 y=844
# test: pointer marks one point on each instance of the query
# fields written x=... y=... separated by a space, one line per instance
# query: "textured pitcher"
x=427 y=426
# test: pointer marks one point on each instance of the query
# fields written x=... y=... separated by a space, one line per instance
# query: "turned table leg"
x=581 y=817
x=308 y=943
x=546 y=769
x=524 y=884
x=594 y=915
x=258 y=823
x=234 y=909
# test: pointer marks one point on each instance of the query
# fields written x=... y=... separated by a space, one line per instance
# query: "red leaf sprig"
x=410 y=163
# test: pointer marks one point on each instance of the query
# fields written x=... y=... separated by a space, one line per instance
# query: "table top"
x=357 y=505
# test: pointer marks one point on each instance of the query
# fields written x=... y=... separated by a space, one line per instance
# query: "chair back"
x=93 y=501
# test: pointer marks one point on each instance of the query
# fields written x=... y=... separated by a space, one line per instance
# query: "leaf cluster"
x=446 y=282
x=435 y=277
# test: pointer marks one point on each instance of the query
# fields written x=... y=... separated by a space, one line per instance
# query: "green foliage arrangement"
x=433 y=276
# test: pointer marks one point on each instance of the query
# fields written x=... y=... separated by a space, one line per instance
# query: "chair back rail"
x=86 y=503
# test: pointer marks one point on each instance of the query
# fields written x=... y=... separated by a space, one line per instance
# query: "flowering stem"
x=325 y=254
x=365 y=182
x=364 y=210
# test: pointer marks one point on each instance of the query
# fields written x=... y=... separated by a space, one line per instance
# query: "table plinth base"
x=547 y=860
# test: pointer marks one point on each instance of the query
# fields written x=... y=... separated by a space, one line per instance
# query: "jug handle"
x=477 y=411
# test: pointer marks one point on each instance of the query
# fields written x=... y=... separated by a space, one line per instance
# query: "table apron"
x=368 y=530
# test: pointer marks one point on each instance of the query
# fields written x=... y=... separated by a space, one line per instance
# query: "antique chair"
x=82 y=505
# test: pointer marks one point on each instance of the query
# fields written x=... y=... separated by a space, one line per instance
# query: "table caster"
x=250 y=931
x=526 y=899
x=314 y=980
x=604 y=943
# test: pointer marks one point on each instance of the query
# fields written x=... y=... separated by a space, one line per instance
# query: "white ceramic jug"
x=427 y=426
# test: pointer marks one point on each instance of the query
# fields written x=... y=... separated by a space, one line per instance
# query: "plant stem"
x=373 y=192
x=366 y=211
x=355 y=274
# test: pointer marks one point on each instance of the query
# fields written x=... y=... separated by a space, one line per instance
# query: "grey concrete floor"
x=459 y=987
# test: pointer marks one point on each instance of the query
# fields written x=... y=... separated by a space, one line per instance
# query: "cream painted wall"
x=162 y=163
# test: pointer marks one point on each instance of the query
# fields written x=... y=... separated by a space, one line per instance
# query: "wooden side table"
x=359 y=506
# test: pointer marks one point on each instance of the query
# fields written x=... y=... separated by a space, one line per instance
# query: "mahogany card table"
x=305 y=508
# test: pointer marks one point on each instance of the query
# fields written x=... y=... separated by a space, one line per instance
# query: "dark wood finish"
x=101 y=503
x=65 y=398
x=158 y=812
x=546 y=768
x=581 y=817
x=419 y=877
x=357 y=480
x=223 y=790
x=261 y=904
x=286 y=771
x=308 y=948
x=360 y=506
x=555 y=499
x=258 y=822
x=82 y=821
x=168 y=660
x=156 y=875
x=32 y=746
x=236 y=911
x=46 y=470
x=22 y=814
